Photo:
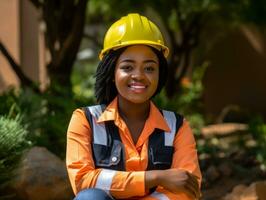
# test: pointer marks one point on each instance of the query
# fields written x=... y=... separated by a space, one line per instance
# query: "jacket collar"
x=155 y=119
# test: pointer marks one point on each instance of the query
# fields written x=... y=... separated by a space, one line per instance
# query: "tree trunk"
x=69 y=38
x=65 y=22
x=180 y=59
x=173 y=65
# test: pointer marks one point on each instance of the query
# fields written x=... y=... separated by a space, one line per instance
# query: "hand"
x=178 y=180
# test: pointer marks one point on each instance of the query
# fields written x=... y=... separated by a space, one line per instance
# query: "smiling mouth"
x=137 y=86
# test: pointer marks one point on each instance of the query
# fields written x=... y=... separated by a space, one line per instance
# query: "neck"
x=133 y=111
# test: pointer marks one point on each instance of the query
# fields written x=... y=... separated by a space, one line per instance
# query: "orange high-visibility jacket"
x=129 y=184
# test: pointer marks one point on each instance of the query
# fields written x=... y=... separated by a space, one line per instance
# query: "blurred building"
x=23 y=36
x=235 y=81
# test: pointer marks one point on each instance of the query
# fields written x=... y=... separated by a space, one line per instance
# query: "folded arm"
x=81 y=168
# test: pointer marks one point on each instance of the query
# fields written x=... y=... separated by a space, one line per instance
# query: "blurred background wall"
x=236 y=76
x=23 y=36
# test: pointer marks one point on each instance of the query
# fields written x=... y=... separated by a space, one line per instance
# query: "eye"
x=149 y=69
x=126 y=67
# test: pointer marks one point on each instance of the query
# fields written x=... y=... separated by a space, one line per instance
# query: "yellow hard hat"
x=133 y=29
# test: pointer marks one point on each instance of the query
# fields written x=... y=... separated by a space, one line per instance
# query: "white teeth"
x=137 y=86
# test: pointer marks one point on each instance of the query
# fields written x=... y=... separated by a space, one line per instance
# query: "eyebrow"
x=132 y=61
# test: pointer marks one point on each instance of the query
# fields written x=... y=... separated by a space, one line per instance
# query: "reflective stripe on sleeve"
x=171 y=122
x=104 y=180
x=159 y=196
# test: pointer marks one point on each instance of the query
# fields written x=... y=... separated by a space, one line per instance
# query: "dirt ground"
x=224 y=185
x=229 y=161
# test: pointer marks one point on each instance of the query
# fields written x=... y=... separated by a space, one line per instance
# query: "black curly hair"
x=105 y=89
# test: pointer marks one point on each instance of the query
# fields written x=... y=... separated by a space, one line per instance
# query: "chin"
x=137 y=100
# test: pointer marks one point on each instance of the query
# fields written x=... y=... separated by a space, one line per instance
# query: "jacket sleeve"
x=185 y=157
x=81 y=168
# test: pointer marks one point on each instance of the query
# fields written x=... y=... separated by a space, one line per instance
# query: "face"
x=137 y=74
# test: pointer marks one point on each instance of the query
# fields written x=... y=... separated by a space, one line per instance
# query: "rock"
x=42 y=176
x=256 y=191
x=261 y=190
x=236 y=193
x=212 y=173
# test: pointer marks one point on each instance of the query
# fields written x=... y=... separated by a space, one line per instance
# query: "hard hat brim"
x=160 y=47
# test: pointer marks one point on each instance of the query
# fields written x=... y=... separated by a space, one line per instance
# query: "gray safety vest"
x=108 y=149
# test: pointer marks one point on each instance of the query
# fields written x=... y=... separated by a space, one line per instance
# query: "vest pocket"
x=107 y=156
x=161 y=158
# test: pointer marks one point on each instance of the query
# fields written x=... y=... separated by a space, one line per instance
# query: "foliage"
x=83 y=81
x=31 y=105
x=257 y=128
x=13 y=142
x=254 y=12
x=53 y=123
x=46 y=116
x=112 y=10
x=188 y=102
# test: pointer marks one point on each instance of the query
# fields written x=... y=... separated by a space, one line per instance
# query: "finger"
x=193 y=180
x=194 y=186
x=195 y=176
x=190 y=192
x=193 y=190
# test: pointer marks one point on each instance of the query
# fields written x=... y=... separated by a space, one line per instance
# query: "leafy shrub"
x=13 y=142
x=47 y=115
x=32 y=106
x=83 y=80
x=257 y=128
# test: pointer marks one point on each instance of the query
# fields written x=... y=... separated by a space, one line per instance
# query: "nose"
x=137 y=74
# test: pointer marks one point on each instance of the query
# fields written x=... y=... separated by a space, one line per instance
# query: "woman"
x=125 y=147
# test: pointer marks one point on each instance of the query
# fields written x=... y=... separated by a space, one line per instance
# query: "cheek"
x=155 y=80
x=120 y=79
x=116 y=81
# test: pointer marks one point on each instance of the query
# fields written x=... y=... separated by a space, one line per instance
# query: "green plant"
x=188 y=101
x=257 y=128
x=45 y=114
x=83 y=80
x=13 y=142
